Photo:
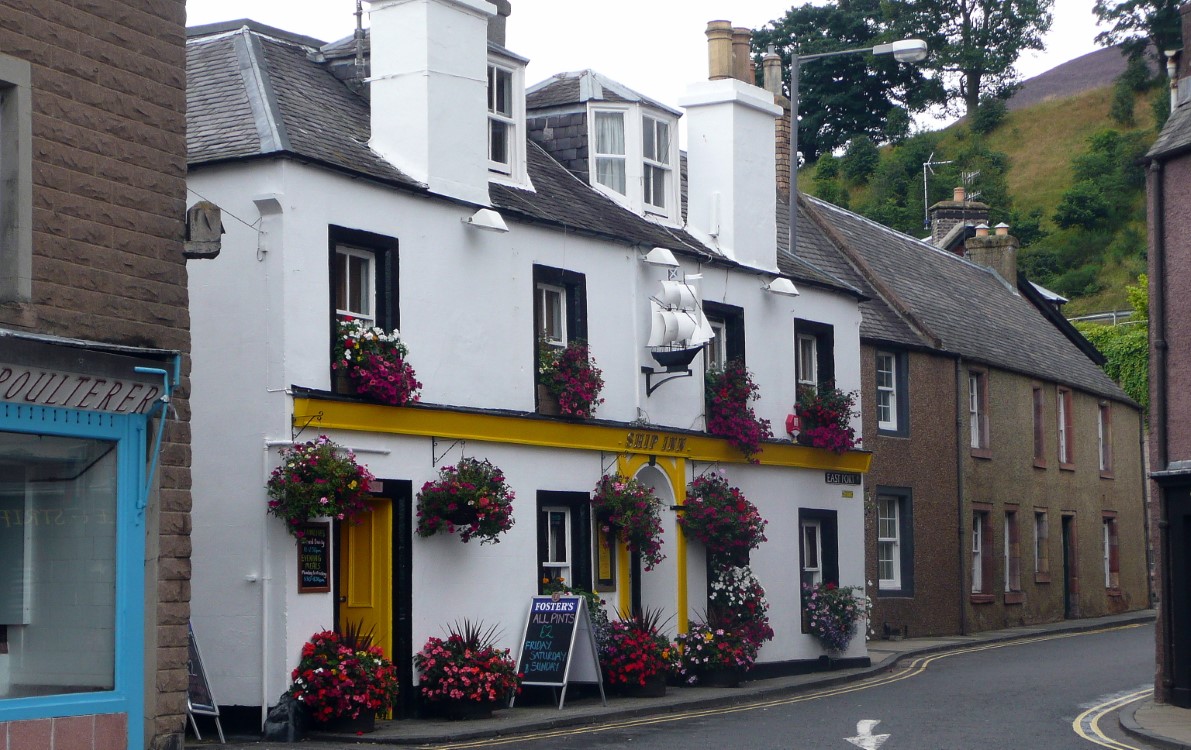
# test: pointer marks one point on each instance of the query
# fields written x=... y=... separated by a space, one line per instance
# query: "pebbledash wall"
x=94 y=553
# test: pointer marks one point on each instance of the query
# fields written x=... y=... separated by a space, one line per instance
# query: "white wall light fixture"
x=660 y=256
x=782 y=286
x=486 y=219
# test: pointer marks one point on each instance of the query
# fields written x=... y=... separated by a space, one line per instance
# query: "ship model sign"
x=678 y=331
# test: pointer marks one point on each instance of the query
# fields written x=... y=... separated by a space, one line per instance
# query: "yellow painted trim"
x=430 y=421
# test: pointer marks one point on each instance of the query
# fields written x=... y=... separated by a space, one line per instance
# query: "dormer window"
x=506 y=118
x=501 y=125
x=633 y=154
x=609 y=151
x=655 y=150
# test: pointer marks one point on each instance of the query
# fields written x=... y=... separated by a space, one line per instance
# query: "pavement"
x=1159 y=725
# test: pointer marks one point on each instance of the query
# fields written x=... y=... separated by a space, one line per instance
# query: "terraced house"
x=495 y=228
x=94 y=344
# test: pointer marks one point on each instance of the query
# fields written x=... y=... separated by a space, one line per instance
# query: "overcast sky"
x=656 y=47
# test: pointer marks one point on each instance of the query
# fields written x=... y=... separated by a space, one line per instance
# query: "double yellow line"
x=913 y=668
x=1087 y=724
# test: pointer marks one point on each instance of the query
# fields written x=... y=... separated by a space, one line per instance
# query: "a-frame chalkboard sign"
x=199 y=698
x=558 y=646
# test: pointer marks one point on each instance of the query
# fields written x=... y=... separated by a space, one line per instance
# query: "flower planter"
x=364 y=723
x=547 y=402
x=721 y=678
x=654 y=687
x=465 y=710
x=803 y=439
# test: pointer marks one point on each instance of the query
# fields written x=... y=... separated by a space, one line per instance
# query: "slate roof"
x=579 y=87
x=967 y=308
x=255 y=91
x=1176 y=134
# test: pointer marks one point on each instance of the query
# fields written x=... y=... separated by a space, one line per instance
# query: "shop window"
x=16 y=180
x=1066 y=430
x=564 y=539
x=727 y=322
x=59 y=516
x=814 y=353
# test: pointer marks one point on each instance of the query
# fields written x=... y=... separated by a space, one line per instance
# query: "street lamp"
x=905 y=50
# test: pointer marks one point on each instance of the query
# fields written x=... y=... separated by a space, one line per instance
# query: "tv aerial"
x=928 y=166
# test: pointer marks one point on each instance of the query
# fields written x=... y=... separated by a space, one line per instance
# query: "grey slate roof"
x=971 y=311
x=254 y=91
x=1176 y=134
x=581 y=86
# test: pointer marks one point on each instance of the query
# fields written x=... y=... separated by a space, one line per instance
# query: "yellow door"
x=366 y=573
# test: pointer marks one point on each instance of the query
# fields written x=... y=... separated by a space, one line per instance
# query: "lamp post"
x=905 y=50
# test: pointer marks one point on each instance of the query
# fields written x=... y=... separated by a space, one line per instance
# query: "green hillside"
x=1028 y=162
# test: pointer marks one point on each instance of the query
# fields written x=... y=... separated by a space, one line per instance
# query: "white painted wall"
x=259 y=324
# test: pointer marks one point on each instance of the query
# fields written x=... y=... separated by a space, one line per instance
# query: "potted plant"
x=736 y=600
x=465 y=675
x=825 y=416
x=634 y=655
x=570 y=375
x=630 y=508
x=317 y=478
x=597 y=615
x=374 y=360
x=832 y=613
x=471 y=498
x=714 y=655
x=344 y=680
x=727 y=393
x=720 y=517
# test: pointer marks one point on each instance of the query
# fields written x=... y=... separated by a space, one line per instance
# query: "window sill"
x=982 y=598
x=1107 y=475
x=1066 y=467
x=881 y=432
x=1040 y=463
x=982 y=453
x=1115 y=593
x=1042 y=578
x=1014 y=597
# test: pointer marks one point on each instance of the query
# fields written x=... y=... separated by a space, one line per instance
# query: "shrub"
x=467 y=666
x=860 y=160
x=990 y=113
x=342 y=675
x=634 y=650
x=833 y=612
x=471 y=498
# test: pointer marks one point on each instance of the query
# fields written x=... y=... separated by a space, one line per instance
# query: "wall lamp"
x=660 y=256
x=486 y=219
x=782 y=286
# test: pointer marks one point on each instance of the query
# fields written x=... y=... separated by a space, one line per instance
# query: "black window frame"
x=386 y=277
x=824 y=334
x=901 y=392
x=905 y=527
x=732 y=319
x=579 y=503
x=575 y=286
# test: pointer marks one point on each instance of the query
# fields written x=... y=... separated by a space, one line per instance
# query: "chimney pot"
x=720 y=62
x=982 y=230
x=742 y=58
x=771 y=72
x=959 y=195
x=1002 y=229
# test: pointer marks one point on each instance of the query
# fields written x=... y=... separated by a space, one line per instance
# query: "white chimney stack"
x=429 y=92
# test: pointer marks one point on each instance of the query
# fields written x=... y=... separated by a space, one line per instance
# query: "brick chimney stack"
x=771 y=70
x=945 y=215
x=998 y=252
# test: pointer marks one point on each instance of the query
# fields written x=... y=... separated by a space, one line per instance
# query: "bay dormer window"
x=633 y=153
x=506 y=118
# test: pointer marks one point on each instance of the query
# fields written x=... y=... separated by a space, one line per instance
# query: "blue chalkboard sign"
x=558 y=646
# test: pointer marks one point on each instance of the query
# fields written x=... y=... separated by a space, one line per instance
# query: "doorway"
x=1070 y=568
x=1178 y=595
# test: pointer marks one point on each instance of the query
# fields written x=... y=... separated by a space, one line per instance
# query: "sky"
x=655 y=47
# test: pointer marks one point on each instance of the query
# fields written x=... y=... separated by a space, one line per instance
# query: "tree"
x=861 y=160
x=1137 y=24
x=974 y=43
x=851 y=95
x=1126 y=347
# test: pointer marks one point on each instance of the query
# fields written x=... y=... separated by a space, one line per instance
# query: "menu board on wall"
x=314 y=558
